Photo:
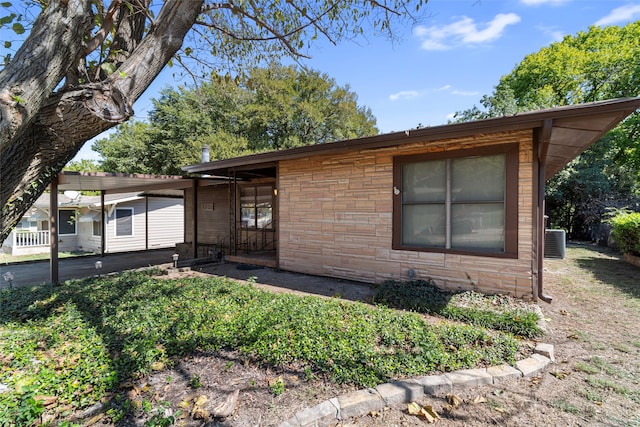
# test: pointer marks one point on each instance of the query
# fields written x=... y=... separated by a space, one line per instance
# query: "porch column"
x=53 y=230
x=194 y=219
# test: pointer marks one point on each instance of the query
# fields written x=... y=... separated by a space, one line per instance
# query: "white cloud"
x=413 y=94
x=622 y=14
x=404 y=94
x=557 y=36
x=464 y=31
x=554 y=34
x=465 y=93
x=539 y=2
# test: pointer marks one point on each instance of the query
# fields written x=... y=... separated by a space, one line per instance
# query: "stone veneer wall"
x=336 y=220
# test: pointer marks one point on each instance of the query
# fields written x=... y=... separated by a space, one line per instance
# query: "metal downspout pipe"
x=543 y=147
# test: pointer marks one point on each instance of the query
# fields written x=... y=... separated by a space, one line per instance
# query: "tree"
x=599 y=64
x=271 y=108
x=85 y=62
x=289 y=109
x=83 y=165
x=124 y=157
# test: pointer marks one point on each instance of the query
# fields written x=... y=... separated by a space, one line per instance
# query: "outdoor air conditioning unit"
x=554 y=243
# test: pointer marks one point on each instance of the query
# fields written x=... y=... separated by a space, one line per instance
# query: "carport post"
x=53 y=230
x=102 y=224
x=194 y=218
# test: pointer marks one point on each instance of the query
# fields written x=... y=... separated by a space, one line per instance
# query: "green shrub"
x=489 y=311
x=626 y=231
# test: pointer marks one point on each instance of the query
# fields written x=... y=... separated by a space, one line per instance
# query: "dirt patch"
x=592 y=321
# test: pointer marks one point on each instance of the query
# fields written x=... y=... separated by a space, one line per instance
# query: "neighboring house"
x=133 y=221
x=462 y=204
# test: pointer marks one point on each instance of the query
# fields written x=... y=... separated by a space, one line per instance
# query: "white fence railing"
x=24 y=239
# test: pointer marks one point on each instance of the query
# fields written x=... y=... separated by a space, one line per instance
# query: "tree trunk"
x=54 y=44
x=65 y=121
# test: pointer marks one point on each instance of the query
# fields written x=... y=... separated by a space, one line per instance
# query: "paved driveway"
x=35 y=273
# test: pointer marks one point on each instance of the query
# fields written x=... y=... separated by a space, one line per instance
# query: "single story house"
x=461 y=203
x=132 y=221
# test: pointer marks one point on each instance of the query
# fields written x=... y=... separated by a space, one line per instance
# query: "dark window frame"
x=68 y=222
x=131 y=217
x=256 y=206
x=98 y=223
x=512 y=166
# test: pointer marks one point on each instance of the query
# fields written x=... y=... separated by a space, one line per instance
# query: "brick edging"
x=362 y=402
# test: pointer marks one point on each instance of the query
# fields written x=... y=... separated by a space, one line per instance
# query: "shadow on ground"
x=610 y=268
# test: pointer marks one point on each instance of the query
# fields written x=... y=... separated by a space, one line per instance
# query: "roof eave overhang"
x=573 y=129
x=117 y=183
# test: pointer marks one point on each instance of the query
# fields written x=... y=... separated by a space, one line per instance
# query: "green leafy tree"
x=83 y=165
x=125 y=157
x=599 y=64
x=290 y=108
x=271 y=108
x=77 y=68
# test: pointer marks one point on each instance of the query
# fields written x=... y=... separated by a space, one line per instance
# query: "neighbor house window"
x=256 y=206
x=459 y=202
x=97 y=225
x=25 y=224
x=66 y=222
x=124 y=222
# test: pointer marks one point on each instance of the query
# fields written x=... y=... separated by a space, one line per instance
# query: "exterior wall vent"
x=554 y=243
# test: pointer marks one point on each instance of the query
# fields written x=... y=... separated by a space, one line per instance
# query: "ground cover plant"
x=64 y=348
x=498 y=312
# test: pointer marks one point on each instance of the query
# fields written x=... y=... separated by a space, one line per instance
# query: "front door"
x=256 y=217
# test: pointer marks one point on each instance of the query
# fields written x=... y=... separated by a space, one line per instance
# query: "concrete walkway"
x=37 y=272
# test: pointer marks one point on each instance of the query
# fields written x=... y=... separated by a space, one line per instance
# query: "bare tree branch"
x=103 y=32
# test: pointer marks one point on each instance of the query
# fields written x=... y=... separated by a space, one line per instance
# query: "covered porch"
x=235 y=217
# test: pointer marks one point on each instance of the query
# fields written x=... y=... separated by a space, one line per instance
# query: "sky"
x=456 y=54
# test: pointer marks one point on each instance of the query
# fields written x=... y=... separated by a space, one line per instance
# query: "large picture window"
x=66 y=222
x=124 y=222
x=256 y=206
x=462 y=202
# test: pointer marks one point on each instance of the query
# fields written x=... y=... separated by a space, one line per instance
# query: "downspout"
x=535 y=248
x=543 y=149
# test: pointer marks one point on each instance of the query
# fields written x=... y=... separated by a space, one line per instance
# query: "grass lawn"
x=64 y=348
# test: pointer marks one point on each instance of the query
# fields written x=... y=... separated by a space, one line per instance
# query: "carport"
x=113 y=183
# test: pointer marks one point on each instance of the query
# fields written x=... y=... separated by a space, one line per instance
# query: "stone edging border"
x=362 y=402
